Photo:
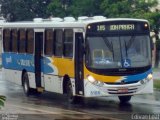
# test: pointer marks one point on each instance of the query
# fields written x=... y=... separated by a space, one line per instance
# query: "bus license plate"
x=123 y=90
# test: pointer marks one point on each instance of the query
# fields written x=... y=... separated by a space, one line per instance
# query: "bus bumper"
x=91 y=90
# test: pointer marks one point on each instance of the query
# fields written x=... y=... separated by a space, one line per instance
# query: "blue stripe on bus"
x=137 y=77
x=24 y=61
x=47 y=67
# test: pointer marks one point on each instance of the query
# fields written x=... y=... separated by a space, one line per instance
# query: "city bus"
x=87 y=57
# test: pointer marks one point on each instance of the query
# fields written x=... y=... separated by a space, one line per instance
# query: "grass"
x=2 y=101
x=156 y=69
x=157 y=84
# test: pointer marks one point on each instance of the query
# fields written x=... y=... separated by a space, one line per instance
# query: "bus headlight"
x=95 y=82
x=148 y=78
x=91 y=79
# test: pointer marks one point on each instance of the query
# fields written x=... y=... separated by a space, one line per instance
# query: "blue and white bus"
x=88 y=57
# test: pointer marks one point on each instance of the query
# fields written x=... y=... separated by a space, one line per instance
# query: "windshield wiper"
x=127 y=46
x=112 y=50
x=126 y=49
x=109 y=45
x=130 y=42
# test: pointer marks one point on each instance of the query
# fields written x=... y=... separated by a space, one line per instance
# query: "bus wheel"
x=26 y=88
x=124 y=99
x=71 y=98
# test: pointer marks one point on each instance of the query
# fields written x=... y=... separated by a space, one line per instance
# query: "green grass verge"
x=156 y=69
x=157 y=84
x=2 y=101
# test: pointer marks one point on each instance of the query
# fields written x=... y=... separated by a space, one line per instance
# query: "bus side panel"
x=8 y=75
x=17 y=77
x=14 y=64
x=53 y=83
x=32 y=82
x=13 y=76
x=54 y=70
x=64 y=66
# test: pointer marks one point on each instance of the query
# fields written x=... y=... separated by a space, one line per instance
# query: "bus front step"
x=40 y=89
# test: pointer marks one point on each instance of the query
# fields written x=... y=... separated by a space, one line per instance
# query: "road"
x=50 y=106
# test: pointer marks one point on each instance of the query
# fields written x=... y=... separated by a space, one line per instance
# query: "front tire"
x=124 y=99
x=26 y=88
x=71 y=98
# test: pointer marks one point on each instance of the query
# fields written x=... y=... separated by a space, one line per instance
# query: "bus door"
x=79 y=75
x=38 y=59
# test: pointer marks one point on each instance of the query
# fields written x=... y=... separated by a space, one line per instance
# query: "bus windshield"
x=118 y=51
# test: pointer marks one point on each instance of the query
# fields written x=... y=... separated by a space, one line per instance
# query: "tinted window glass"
x=14 y=40
x=49 y=42
x=22 y=40
x=59 y=42
x=6 y=40
x=30 y=41
x=68 y=43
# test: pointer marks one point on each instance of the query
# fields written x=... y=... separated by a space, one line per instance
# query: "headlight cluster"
x=148 y=78
x=93 y=81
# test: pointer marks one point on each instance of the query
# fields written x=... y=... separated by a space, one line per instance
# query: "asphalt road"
x=50 y=106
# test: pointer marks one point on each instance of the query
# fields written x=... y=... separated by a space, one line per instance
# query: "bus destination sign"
x=122 y=27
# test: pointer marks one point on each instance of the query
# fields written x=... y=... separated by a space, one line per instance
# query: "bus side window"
x=14 y=40
x=49 y=42
x=6 y=40
x=22 y=41
x=30 y=41
x=68 y=43
x=58 y=42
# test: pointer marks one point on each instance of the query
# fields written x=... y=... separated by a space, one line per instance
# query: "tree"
x=75 y=8
x=17 y=10
x=132 y=9
x=86 y=8
x=56 y=9
x=126 y=8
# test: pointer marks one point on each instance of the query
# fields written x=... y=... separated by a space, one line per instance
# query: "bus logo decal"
x=8 y=59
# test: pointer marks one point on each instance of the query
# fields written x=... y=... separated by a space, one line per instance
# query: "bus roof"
x=46 y=23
